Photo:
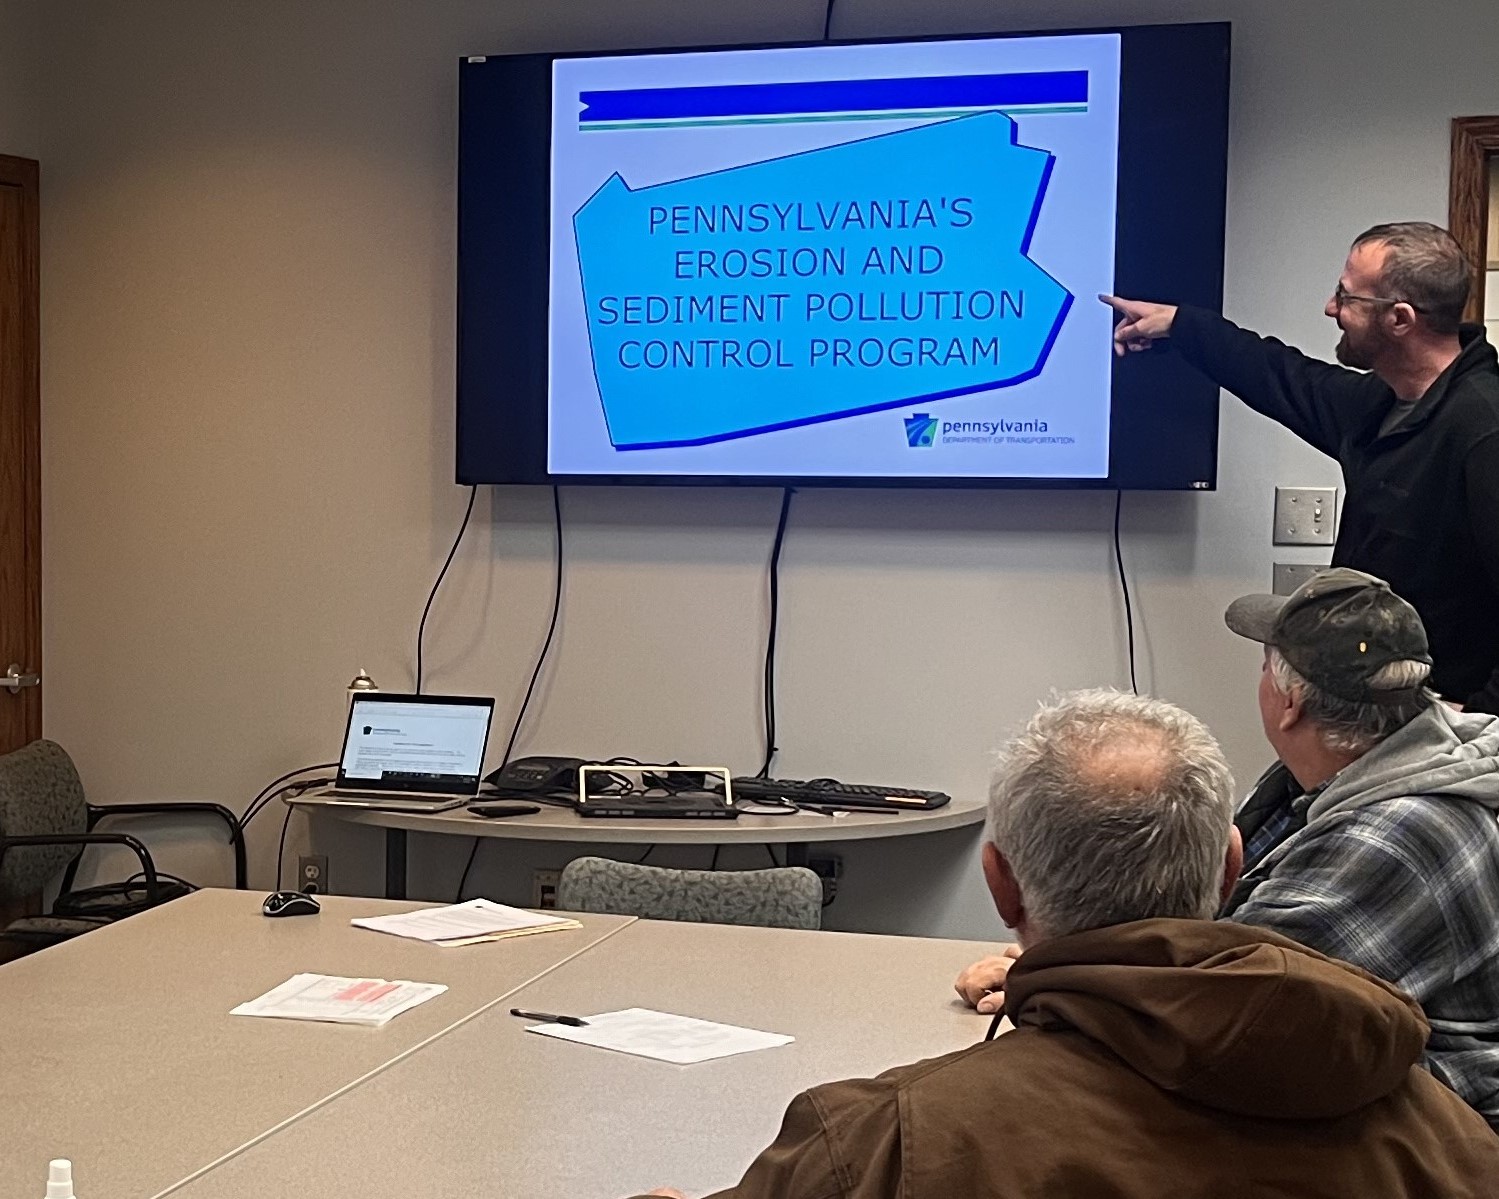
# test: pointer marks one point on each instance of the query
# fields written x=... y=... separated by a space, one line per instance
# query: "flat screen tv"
x=853 y=263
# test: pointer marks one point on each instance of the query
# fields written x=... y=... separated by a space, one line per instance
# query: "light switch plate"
x=1305 y=515
x=1291 y=575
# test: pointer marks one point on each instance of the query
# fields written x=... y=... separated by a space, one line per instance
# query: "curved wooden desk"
x=795 y=831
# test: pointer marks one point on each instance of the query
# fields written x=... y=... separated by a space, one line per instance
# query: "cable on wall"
x=775 y=569
x=421 y=628
x=541 y=659
x=827 y=21
x=770 y=639
x=1129 y=615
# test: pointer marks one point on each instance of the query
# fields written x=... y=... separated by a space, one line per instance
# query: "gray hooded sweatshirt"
x=1397 y=871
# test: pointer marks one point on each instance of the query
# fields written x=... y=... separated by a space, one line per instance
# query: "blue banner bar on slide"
x=836 y=95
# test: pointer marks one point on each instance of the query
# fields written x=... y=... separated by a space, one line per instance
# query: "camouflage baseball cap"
x=1337 y=630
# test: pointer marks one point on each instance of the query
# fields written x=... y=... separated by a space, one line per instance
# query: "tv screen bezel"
x=504 y=266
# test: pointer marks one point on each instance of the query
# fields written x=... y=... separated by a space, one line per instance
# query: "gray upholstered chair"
x=786 y=897
x=46 y=824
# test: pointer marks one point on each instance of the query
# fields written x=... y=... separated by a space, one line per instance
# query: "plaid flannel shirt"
x=1407 y=889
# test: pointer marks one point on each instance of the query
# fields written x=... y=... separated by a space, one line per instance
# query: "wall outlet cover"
x=312 y=873
x=1305 y=515
x=544 y=889
x=826 y=865
x=1290 y=575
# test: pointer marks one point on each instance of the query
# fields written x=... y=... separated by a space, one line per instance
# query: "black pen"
x=548 y=1018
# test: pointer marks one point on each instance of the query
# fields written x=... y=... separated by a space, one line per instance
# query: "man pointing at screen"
x=1411 y=415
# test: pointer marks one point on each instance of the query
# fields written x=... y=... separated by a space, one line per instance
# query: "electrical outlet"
x=1305 y=515
x=829 y=868
x=1290 y=575
x=544 y=889
x=312 y=873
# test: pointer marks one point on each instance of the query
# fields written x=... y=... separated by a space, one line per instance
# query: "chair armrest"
x=97 y=812
x=148 y=867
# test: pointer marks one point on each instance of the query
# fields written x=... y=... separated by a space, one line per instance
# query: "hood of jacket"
x=1236 y=1018
x=1441 y=752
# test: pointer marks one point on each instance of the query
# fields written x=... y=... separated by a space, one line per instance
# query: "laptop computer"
x=411 y=753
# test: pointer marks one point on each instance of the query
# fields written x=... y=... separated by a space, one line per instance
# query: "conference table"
x=162 y=1092
x=117 y=1048
x=795 y=831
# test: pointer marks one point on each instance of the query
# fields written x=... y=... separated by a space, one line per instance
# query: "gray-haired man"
x=1156 y=1051
x=1374 y=838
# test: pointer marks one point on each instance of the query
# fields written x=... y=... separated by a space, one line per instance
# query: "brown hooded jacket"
x=1166 y=1057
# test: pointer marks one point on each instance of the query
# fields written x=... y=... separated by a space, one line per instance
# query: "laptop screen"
x=416 y=742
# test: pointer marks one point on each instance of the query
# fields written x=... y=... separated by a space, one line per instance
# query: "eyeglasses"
x=1340 y=296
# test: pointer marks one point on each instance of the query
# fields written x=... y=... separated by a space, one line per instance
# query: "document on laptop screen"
x=390 y=739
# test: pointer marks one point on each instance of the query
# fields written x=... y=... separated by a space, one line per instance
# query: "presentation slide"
x=874 y=260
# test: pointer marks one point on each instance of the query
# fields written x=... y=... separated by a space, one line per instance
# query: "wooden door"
x=20 y=456
x=1475 y=146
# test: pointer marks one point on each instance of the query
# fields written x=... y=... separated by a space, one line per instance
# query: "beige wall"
x=20 y=93
x=248 y=403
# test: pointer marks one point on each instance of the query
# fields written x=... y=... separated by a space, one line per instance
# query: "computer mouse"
x=290 y=903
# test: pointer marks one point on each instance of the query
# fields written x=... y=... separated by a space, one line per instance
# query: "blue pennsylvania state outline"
x=976 y=157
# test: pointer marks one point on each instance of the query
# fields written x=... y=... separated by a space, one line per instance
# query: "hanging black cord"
x=541 y=658
x=281 y=852
x=827 y=21
x=1129 y=615
x=261 y=801
x=770 y=639
x=300 y=786
x=421 y=629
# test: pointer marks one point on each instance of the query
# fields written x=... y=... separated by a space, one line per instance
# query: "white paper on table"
x=683 y=1040
x=367 y=1001
x=477 y=919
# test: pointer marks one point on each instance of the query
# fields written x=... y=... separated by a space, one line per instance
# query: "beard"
x=1360 y=351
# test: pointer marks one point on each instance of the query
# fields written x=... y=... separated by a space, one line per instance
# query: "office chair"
x=786 y=897
x=46 y=824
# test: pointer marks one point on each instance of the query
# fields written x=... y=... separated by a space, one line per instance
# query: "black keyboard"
x=833 y=794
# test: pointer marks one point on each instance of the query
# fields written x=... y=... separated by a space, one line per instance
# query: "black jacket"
x=1421 y=506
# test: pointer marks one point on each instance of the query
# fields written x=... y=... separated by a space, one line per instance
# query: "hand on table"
x=667 y=1192
x=982 y=984
x=1142 y=323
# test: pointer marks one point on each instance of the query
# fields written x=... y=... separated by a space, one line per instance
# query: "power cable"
x=770 y=639
x=541 y=658
x=298 y=787
x=1129 y=616
x=421 y=628
x=270 y=791
x=281 y=851
x=827 y=22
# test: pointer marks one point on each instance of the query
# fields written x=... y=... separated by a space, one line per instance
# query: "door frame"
x=1475 y=140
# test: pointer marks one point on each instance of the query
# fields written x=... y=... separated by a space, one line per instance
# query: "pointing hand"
x=1140 y=323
